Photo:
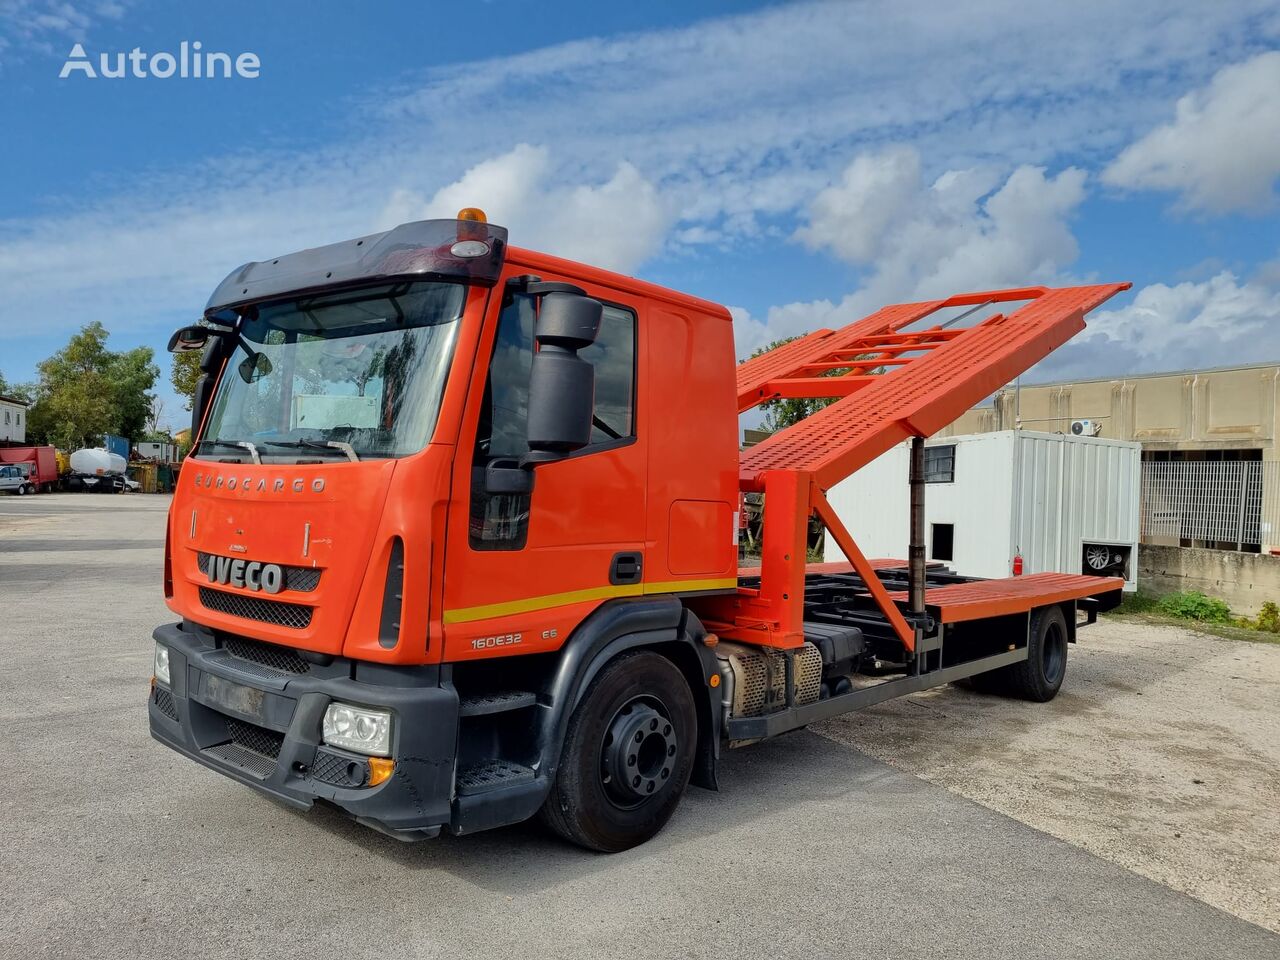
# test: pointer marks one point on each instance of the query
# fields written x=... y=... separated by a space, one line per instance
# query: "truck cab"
x=428 y=467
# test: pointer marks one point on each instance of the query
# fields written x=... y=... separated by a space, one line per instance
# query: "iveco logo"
x=260 y=485
x=267 y=577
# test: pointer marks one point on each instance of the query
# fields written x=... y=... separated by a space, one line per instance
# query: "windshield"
x=355 y=375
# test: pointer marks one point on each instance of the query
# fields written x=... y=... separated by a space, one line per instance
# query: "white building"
x=1060 y=503
x=13 y=420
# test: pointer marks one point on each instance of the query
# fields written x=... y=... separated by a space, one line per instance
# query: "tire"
x=638 y=715
x=22 y=490
x=1040 y=676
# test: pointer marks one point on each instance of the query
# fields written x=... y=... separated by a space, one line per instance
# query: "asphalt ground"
x=114 y=846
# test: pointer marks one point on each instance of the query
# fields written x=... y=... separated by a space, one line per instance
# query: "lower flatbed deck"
x=981 y=599
x=950 y=598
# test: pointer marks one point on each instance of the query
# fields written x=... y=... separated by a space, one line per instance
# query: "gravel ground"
x=112 y=846
x=1161 y=754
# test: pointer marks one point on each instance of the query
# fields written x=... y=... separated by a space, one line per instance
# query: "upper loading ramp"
x=897 y=383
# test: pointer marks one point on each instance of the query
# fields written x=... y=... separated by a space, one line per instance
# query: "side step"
x=500 y=702
x=490 y=775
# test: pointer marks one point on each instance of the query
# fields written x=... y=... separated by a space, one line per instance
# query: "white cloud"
x=617 y=224
x=27 y=25
x=923 y=240
x=1217 y=322
x=1222 y=151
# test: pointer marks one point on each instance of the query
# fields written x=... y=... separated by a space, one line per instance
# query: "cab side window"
x=614 y=357
x=500 y=521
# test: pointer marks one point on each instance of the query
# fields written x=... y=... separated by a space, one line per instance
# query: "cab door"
x=522 y=570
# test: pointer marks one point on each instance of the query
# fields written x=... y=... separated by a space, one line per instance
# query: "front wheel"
x=22 y=490
x=627 y=755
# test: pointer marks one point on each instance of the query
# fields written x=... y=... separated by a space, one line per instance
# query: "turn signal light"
x=380 y=770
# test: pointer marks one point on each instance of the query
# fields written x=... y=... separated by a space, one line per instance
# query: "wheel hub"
x=1098 y=557
x=639 y=752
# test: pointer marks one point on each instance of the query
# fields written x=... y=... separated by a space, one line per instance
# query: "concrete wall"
x=1223 y=409
x=1244 y=580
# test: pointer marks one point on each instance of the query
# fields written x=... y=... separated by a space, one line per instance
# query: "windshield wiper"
x=237 y=444
x=345 y=448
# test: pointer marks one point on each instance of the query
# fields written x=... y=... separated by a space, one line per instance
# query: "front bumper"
x=258 y=721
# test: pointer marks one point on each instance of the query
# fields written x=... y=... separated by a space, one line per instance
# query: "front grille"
x=289 y=615
x=277 y=658
x=251 y=748
x=260 y=740
x=165 y=704
x=300 y=579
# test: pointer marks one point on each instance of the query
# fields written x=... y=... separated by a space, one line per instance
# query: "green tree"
x=184 y=375
x=86 y=390
x=19 y=391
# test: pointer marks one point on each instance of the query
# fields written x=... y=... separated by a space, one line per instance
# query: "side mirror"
x=562 y=384
x=561 y=389
x=254 y=367
x=218 y=342
x=190 y=338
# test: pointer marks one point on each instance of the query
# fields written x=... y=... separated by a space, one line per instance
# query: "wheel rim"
x=1097 y=557
x=639 y=752
x=1054 y=656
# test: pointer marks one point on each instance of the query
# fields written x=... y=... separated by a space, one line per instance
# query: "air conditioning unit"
x=1086 y=428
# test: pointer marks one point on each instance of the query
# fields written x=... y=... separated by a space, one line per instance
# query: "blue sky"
x=802 y=163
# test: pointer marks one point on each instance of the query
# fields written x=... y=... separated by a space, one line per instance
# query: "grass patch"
x=1206 y=614
x=1138 y=603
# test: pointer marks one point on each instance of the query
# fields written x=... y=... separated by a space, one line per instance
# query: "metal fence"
x=1222 y=503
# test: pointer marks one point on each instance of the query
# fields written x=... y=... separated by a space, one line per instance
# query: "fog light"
x=160 y=666
x=357 y=728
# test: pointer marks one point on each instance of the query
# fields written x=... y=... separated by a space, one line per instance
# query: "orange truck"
x=457 y=541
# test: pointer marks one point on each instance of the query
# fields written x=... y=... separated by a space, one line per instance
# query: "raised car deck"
x=904 y=372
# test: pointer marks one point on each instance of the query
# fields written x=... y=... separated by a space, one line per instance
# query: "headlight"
x=358 y=729
x=160 y=667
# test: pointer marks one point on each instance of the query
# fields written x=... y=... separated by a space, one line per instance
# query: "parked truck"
x=39 y=464
x=456 y=542
x=96 y=470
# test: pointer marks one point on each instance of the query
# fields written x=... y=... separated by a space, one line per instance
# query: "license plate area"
x=235 y=699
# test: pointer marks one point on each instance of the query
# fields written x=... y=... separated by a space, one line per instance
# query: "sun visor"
x=462 y=249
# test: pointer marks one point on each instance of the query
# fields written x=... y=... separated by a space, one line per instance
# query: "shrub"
x=1195 y=606
x=1269 y=617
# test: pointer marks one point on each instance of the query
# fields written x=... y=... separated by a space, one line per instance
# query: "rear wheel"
x=1040 y=676
x=627 y=755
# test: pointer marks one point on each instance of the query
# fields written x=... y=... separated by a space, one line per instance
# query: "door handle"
x=626 y=567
